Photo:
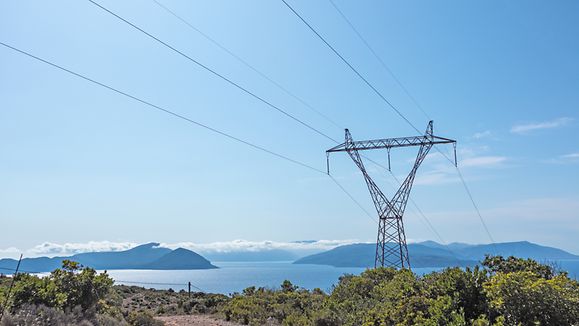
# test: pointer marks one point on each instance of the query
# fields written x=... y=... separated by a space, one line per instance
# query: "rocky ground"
x=194 y=320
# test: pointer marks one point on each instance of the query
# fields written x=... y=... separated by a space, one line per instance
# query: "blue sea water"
x=235 y=276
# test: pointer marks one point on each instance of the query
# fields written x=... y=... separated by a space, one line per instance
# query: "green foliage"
x=65 y=288
x=288 y=306
x=526 y=298
x=508 y=291
x=498 y=264
x=42 y=315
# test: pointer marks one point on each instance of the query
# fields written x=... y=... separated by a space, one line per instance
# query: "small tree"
x=65 y=288
x=524 y=298
x=497 y=264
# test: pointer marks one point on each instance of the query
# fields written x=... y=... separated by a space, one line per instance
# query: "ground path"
x=194 y=320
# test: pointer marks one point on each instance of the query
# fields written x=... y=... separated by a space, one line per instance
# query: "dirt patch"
x=194 y=320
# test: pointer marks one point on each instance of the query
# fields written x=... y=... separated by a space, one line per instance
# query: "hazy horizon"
x=235 y=246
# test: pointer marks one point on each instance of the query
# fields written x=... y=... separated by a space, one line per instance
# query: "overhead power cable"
x=426 y=220
x=376 y=91
x=232 y=83
x=475 y=207
x=212 y=71
x=162 y=284
x=229 y=81
x=278 y=85
x=384 y=65
x=247 y=64
x=157 y=107
x=244 y=89
x=352 y=198
x=174 y=114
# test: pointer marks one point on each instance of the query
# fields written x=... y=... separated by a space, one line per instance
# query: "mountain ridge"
x=145 y=256
x=433 y=254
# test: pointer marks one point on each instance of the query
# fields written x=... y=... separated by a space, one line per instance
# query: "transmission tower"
x=391 y=248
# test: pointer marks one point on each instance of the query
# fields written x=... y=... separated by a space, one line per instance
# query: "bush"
x=41 y=315
x=142 y=318
x=66 y=288
x=508 y=291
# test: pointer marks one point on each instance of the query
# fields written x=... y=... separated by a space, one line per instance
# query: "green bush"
x=65 y=288
x=508 y=291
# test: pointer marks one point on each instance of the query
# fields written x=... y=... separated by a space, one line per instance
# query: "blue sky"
x=79 y=163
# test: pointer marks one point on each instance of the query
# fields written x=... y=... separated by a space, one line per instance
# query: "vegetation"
x=502 y=291
x=509 y=291
x=76 y=295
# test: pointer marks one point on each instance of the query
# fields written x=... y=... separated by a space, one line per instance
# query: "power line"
x=226 y=79
x=389 y=104
x=375 y=54
x=470 y=196
x=302 y=101
x=161 y=284
x=157 y=107
x=278 y=85
x=421 y=213
x=175 y=115
x=352 y=198
x=231 y=82
x=213 y=72
x=350 y=66
x=475 y=207
x=247 y=64
x=413 y=99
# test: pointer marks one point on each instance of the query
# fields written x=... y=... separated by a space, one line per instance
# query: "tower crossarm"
x=388 y=143
x=391 y=247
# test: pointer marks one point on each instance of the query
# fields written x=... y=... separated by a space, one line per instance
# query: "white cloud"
x=538 y=209
x=10 y=252
x=572 y=156
x=482 y=134
x=244 y=245
x=53 y=249
x=442 y=172
x=435 y=178
x=526 y=128
x=483 y=161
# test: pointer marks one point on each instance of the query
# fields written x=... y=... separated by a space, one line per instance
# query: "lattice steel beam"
x=391 y=247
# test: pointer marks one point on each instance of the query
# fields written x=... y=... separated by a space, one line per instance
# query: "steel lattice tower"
x=391 y=248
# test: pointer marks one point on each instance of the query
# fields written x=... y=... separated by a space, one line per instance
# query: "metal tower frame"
x=391 y=248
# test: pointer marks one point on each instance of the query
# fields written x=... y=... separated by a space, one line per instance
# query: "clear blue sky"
x=79 y=163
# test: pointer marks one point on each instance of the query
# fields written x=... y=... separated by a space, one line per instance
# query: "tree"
x=497 y=264
x=523 y=297
x=65 y=288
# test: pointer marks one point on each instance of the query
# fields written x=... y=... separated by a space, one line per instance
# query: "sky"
x=84 y=167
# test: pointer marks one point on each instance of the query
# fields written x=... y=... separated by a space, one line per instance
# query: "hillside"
x=146 y=256
x=180 y=259
x=433 y=254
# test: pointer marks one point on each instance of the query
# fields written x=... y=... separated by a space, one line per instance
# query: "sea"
x=233 y=277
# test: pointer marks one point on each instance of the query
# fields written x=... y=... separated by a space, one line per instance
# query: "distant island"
x=433 y=254
x=423 y=254
x=146 y=256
